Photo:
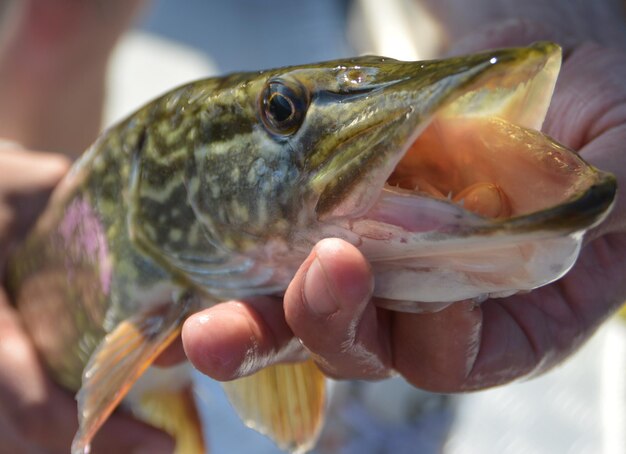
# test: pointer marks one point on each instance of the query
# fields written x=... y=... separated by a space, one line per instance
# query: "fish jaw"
x=514 y=85
x=475 y=203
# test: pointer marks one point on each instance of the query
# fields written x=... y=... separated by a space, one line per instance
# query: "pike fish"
x=435 y=170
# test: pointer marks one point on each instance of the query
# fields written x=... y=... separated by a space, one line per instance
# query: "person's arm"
x=464 y=346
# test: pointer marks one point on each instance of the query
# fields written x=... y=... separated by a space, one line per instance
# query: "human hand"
x=481 y=24
x=464 y=347
x=37 y=416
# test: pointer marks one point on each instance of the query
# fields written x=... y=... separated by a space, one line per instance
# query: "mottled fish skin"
x=208 y=191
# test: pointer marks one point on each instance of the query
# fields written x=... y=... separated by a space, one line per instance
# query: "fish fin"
x=120 y=359
x=174 y=412
x=285 y=402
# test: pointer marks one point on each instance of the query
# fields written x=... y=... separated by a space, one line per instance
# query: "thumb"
x=328 y=307
x=28 y=179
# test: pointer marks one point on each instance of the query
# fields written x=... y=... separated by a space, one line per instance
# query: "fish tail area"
x=174 y=412
x=285 y=402
x=116 y=364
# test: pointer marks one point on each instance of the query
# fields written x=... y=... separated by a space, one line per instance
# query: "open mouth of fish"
x=480 y=165
x=478 y=203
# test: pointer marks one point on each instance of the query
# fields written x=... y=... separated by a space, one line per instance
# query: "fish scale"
x=220 y=188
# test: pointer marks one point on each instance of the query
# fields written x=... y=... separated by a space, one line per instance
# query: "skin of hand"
x=498 y=23
x=36 y=416
x=328 y=305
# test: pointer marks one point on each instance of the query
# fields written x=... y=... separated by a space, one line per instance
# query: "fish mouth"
x=480 y=166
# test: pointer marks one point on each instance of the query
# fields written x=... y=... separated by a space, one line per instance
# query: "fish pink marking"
x=84 y=235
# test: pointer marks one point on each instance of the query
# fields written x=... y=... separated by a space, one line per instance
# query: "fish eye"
x=283 y=107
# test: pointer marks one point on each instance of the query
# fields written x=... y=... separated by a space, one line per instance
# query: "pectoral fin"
x=285 y=402
x=119 y=360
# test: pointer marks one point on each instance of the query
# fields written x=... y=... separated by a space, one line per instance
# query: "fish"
x=435 y=170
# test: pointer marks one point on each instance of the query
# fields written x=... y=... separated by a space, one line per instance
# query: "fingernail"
x=317 y=293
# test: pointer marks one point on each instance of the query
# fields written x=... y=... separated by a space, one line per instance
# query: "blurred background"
x=577 y=408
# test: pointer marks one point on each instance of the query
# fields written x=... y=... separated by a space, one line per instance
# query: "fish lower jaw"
x=427 y=254
x=431 y=276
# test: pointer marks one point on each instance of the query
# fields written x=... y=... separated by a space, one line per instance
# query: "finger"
x=437 y=351
x=328 y=307
x=467 y=347
x=27 y=181
x=511 y=32
x=174 y=354
x=25 y=171
x=234 y=339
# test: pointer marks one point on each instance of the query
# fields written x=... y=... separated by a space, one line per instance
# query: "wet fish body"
x=220 y=188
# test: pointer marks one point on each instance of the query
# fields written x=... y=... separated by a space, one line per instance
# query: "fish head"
x=422 y=165
x=459 y=134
